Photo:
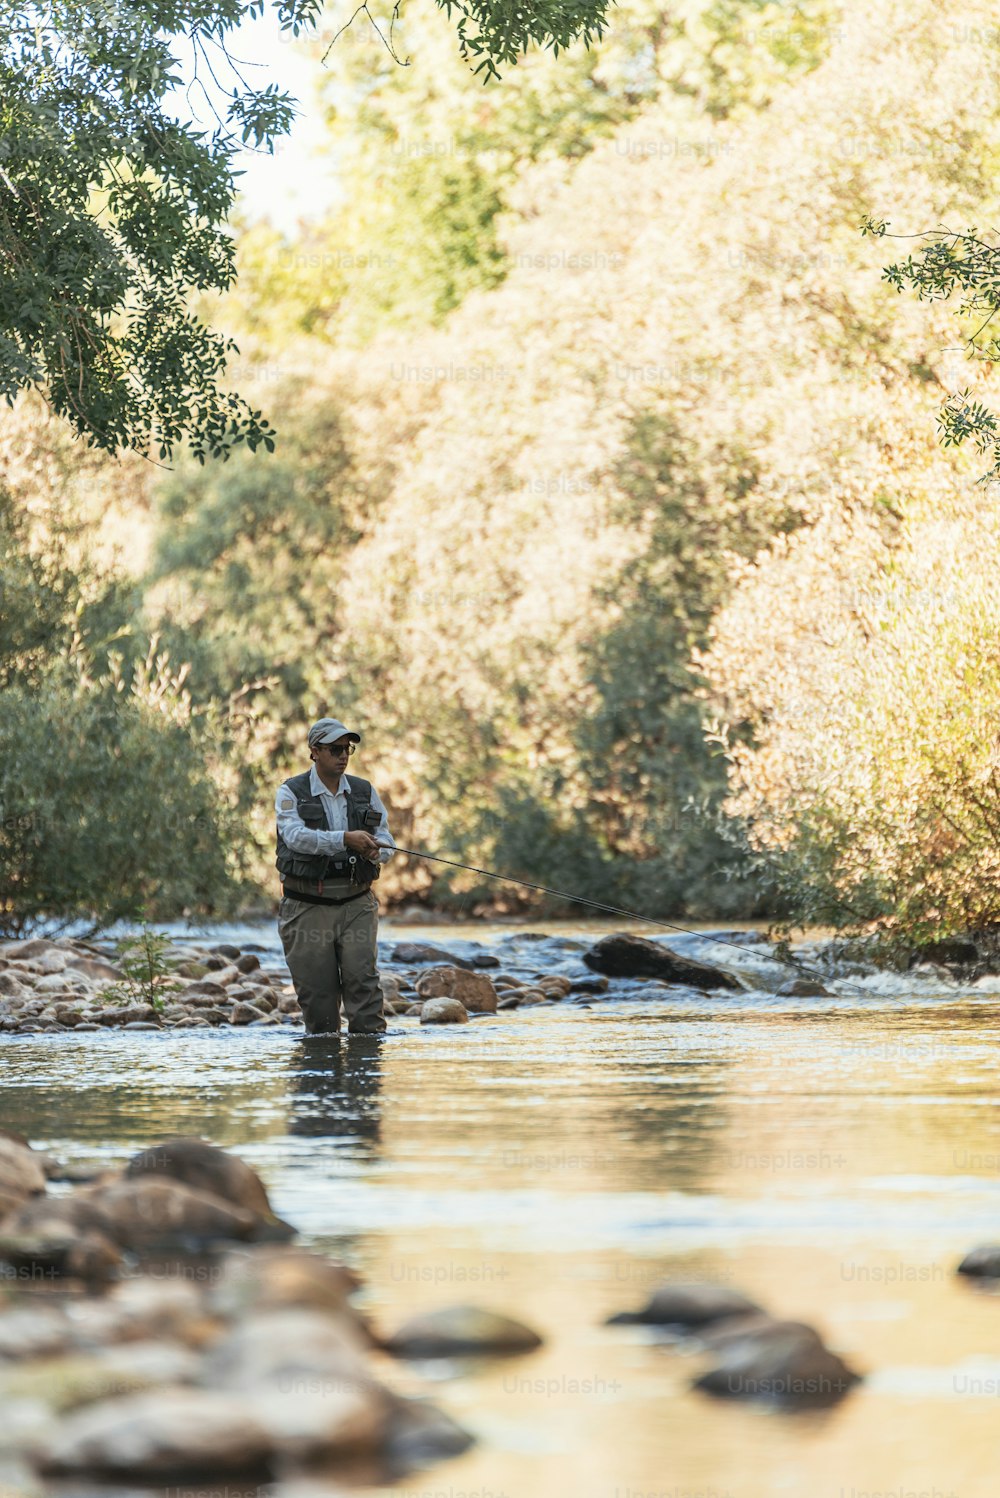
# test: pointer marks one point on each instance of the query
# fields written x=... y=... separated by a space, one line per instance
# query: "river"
x=831 y=1158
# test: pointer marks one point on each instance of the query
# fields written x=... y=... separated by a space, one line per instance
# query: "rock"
x=955 y=952
x=34 y=1332
x=31 y=1257
x=634 y=957
x=247 y=963
x=22 y=1172
x=982 y=1262
x=14 y=986
x=226 y=949
x=422 y=952
x=589 y=985
x=687 y=1304
x=190 y=969
x=278 y=1346
x=243 y=1013
x=485 y=959
x=204 y=988
x=164 y=1434
x=50 y=963
x=804 y=988
x=784 y=1362
x=512 y=1001
x=128 y=1014
x=57 y=983
x=419 y=1433
x=272 y=1278
x=204 y=1167
x=29 y=950
x=442 y=1012
x=94 y=967
x=78 y=1379
x=474 y=990
x=554 y=985
x=319 y=1418
x=418 y=1009
x=534 y=996
x=145 y=1307
x=140 y=1024
x=163 y=1213
x=460 y=1331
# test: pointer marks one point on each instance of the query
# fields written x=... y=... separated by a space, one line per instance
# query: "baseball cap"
x=325 y=730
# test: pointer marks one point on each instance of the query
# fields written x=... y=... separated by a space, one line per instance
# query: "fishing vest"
x=320 y=867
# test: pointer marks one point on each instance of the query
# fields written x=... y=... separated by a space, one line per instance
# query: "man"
x=333 y=837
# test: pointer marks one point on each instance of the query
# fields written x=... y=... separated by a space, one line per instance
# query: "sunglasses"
x=338 y=748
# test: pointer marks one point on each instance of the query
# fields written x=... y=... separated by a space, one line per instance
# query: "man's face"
x=332 y=758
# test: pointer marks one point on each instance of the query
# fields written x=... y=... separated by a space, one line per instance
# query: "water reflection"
x=336 y=1085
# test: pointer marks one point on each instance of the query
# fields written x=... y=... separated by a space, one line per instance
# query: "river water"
x=831 y=1158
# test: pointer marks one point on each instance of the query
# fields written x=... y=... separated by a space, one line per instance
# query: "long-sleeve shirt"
x=312 y=840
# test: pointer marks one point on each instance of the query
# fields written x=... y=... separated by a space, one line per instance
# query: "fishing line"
x=632 y=915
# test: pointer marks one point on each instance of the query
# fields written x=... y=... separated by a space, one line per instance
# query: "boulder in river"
x=461 y=1331
x=22 y=1172
x=782 y=1362
x=684 y=1303
x=982 y=1263
x=266 y=1278
x=203 y=1166
x=443 y=1012
x=169 y=1433
x=156 y=1212
x=474 y=990
x=804 y=988
x=623 y=956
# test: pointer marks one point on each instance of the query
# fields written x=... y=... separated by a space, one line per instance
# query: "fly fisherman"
x=333 y=837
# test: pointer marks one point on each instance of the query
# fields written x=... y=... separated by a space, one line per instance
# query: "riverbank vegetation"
x=607 y=499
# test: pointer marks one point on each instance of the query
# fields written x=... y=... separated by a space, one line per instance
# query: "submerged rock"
x=417 y=952
x=635 y=957
x=688 y=1304
x=460 y=1331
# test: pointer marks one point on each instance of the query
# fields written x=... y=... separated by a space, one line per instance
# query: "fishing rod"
x=632 y=915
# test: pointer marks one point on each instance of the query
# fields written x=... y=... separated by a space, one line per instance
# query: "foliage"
x=113 y=206
x=112 y=213
x=551 y=496
x=431 y=164
x=146 y=972
x=966 y=264
x=874 y=783
x=111 y=792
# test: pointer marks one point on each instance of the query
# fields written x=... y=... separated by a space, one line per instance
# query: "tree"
x=113 y=209
x=114 y=794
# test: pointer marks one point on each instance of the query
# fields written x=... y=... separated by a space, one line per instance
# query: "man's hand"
x=363 y=843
